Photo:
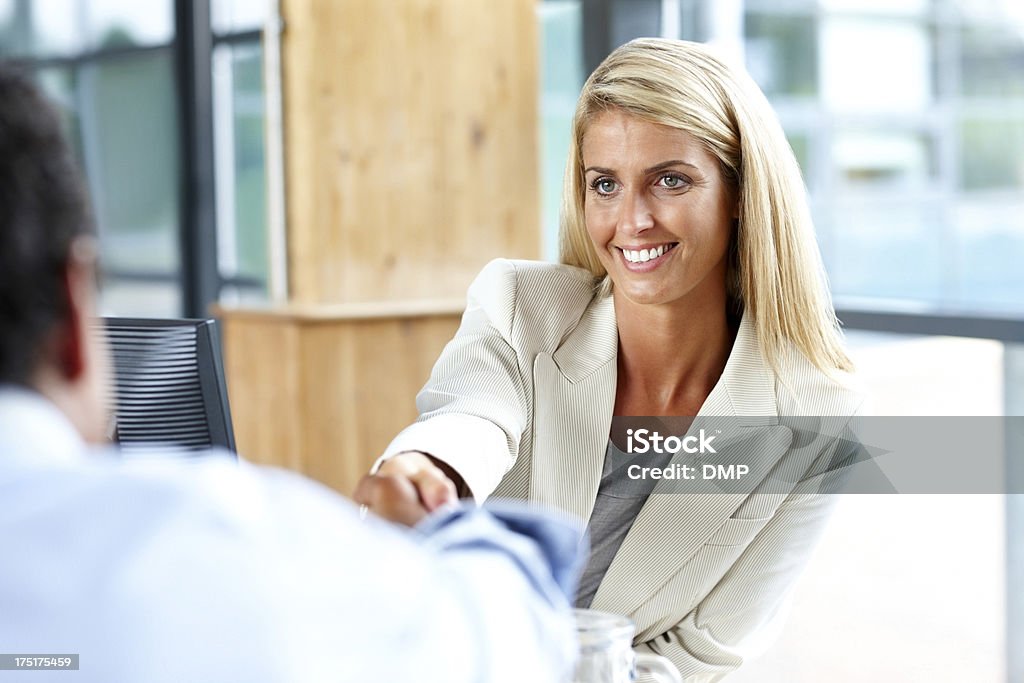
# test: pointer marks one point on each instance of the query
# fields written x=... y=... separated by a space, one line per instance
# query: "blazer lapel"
x=574 y=396
x=672 y=527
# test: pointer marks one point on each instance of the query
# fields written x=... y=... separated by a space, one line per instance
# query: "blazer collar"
x=590 y=345
x=746 y=387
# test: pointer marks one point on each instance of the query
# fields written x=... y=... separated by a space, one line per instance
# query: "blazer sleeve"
x=739 y=616
x=474 y=408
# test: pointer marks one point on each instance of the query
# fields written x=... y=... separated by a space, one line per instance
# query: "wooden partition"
x=411 y=160
x=323 y=390
x=411 y=144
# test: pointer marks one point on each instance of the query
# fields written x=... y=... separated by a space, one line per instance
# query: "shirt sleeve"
x=470 y=595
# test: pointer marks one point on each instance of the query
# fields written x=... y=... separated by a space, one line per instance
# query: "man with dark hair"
x=217 y=570
x=47 y=257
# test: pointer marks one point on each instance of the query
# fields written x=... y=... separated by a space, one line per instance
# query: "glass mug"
x=606 y=652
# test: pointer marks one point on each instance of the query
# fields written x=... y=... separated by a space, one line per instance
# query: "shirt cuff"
x=560 y=543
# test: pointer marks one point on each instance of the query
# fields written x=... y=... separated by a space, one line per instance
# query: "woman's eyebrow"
x=653 y=169
x=669 y=164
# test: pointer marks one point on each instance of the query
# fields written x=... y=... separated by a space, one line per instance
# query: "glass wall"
x=111 y=67
x=93 y=58
x=562 y=76
x=239 y=131
x=908 y=119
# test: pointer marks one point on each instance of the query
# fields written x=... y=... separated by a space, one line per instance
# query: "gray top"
x=619 y=501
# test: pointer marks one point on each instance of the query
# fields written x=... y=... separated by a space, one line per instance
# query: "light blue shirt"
x=212 y=569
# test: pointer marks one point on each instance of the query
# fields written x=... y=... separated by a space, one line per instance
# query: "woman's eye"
x=604 y=185
x=672 y=182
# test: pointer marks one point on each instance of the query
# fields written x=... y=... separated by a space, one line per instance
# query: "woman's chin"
x=639 y=295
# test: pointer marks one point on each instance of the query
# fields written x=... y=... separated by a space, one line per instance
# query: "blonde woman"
x=690 y=285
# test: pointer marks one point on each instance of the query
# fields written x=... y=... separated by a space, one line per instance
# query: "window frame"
x=198 y=277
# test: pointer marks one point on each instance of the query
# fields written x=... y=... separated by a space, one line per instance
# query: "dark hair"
x=43 y=209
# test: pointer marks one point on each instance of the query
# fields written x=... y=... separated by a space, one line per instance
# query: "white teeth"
x=644 y=255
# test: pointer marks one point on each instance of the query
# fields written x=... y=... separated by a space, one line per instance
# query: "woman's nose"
x=635 y=213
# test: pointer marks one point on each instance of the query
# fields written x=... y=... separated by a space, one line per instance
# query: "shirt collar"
x=33 y=428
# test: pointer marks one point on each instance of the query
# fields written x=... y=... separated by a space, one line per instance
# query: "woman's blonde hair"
x=775 y=269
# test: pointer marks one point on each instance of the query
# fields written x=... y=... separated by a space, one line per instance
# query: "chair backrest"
x=169 y=384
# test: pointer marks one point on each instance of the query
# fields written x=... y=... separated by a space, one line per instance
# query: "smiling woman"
x=641 y=197
x=690 y=286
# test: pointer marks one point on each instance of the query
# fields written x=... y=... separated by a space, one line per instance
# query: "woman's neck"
x=670 y=356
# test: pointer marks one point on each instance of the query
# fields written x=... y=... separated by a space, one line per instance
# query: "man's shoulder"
x=190 y=494
x=257 y=552
x=213 y=512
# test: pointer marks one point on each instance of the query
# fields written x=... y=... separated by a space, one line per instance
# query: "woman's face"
x=657 y=210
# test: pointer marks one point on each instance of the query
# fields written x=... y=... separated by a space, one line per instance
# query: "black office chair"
x=169 y=387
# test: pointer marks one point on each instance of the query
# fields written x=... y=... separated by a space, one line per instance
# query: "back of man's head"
x=43 y=210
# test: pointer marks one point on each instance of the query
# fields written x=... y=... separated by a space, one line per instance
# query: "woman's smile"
x=641 y=259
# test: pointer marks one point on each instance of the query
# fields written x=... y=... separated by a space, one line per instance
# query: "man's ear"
x=72 y=342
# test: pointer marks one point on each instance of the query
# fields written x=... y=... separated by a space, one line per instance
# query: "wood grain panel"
x=410 y=144
x=262 y=371
x=325 y=396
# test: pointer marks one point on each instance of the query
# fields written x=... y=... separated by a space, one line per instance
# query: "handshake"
x=409 y=486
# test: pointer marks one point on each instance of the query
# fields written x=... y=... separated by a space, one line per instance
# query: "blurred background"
x=327 y=177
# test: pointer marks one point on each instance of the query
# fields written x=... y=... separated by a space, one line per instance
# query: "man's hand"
x=406 y=488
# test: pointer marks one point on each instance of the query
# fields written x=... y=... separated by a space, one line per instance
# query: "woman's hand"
x=407 y=487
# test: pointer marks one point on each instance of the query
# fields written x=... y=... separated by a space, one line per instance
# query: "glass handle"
x=662 y=670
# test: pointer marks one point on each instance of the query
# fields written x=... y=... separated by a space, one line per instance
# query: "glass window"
x=882 y=158
x=916 y=193
x=109 y=64
x=30 y=32
x=561 y=30
x=990 y=247
x=782 y=54
x=232 y=16
x=873 y=65
x=131 y=157
x=129 y=298
x=991 y=152
x=891 y=251
x=116 y=23
x=57 y=28
x=634 y=19
x=236 y=295
x=992 y=61
x=241 y=182
x=895 y=7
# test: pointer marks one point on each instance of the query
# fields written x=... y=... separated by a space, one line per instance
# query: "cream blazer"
x=520 y=404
